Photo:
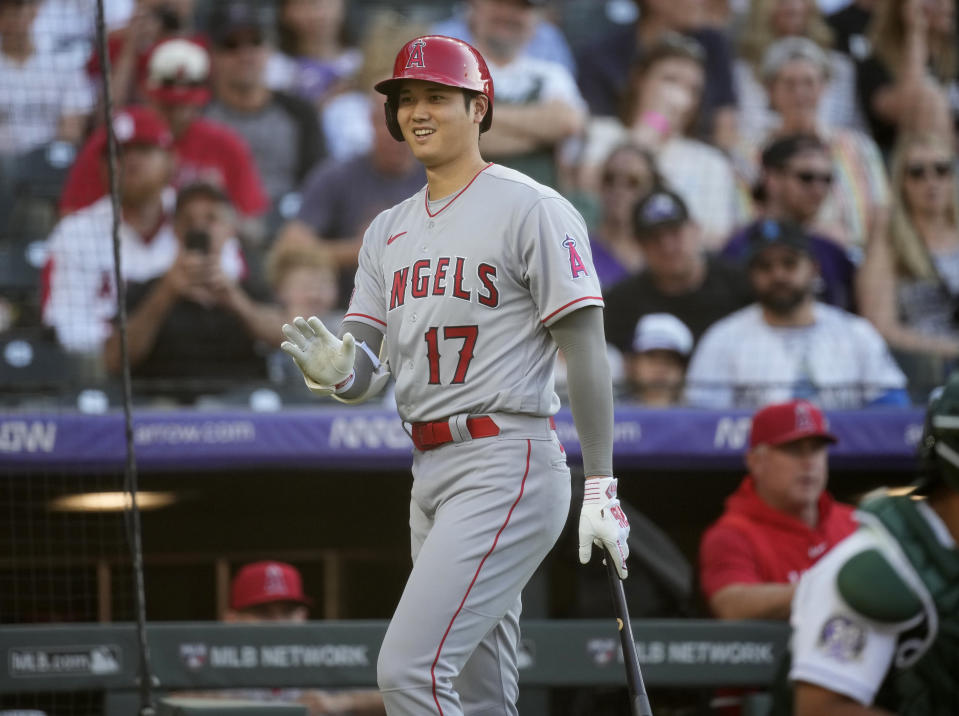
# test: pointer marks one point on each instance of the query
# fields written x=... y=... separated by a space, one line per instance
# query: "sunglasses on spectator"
x=921 y=171
x=231 y=44
x=810 y=177
x=630 y=181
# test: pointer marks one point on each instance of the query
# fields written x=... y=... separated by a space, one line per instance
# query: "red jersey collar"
x=426 y=194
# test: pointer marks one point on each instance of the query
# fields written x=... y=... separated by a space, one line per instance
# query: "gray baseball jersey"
x=465 y=290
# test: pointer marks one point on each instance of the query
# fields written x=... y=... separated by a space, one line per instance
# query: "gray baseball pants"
x=483 y=515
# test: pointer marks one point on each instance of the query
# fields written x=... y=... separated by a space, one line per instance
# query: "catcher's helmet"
x=444 y=60
x=939 y=447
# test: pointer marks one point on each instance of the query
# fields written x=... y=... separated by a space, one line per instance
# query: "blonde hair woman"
x=767 y=22
x=909 y=280
x=905 y=83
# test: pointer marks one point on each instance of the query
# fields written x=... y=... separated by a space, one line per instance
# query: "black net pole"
x=132 y=515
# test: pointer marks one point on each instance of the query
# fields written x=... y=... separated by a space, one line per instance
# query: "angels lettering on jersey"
x=460 y=277
x=453 y=276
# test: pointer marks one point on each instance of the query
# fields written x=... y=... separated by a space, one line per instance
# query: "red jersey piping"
x=363 y=315
x=561 y=308
x=426 y=195
x=522 y=487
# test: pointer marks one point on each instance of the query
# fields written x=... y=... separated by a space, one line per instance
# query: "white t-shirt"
x=529 y=79
x=35 y=95
x=836 y=647
x=840 y=361
x=80 y=298
x=465 y=289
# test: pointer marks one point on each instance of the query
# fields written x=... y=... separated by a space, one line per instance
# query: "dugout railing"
x=192 y=656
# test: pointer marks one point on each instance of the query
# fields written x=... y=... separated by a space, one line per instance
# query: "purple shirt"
x=608 y=268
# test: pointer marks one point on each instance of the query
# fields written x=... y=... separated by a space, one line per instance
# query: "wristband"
x=366 y=349
x=599 y=490
x=346 y=384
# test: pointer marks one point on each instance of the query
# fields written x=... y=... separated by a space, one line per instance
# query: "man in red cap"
x=272 y=591
x=268 y=591
x=176 y=87
x=79 y=292
x=780 y=520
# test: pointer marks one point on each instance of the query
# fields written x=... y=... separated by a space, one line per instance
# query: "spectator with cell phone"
x=198 y=322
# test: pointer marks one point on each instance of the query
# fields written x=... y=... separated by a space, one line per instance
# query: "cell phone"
x=197 y=240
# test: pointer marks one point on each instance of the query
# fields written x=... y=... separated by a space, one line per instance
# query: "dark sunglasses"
x=231 y=44
x=809 y=177
x=921 y=171
x=631 y=181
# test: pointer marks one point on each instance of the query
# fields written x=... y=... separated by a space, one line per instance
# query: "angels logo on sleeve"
x=577 y=267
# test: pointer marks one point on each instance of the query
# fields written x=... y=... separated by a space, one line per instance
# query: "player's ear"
x=754 y=458
x=480 y=106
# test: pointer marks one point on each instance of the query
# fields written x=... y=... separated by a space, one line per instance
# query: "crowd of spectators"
x=774 y=179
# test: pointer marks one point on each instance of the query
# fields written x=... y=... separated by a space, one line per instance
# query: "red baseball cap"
x=265 y=582
x=136 y=125
x=781 y=423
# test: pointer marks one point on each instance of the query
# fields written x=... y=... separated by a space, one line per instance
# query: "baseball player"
x=876 y=621
x=464 y=292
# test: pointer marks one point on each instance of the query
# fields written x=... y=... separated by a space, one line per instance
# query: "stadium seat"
x=20 y=264
x=33 y=365
x=36 y=182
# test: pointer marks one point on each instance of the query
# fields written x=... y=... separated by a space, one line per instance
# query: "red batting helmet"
x=444 y=60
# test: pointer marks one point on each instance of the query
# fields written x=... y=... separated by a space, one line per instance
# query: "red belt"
x=427 y=436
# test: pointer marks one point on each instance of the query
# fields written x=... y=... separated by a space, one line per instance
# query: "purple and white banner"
x=677 y=438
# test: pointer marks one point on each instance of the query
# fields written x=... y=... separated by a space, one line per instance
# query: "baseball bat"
x=639 y=701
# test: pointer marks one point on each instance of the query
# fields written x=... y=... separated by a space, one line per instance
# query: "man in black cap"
x=678 y=278
x=789 y=345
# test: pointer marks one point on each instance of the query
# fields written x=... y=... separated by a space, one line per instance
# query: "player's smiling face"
x=436 y=122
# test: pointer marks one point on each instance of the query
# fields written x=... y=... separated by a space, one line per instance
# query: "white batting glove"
x=325 y=361
x=602 y=522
